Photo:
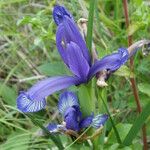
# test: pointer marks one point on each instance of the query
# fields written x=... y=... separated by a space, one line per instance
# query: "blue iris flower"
x=69 y=108
x=73 y=51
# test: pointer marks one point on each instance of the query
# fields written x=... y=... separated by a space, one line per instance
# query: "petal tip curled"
x=124 y=54
x=59 y=12
x=66 y=100
x=26 y=104
x=99 y=120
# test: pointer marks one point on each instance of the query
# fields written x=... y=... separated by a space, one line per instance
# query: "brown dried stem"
x=132 y=80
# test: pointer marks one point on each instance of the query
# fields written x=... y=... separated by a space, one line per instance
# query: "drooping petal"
x=66 y=100
x=58 y=14
x=86 y=122
x=110 y=62
x=55 y=128
x=99 y=120
x=25 y=104
x=71 y=119
x=34 y=99
x=77 y=63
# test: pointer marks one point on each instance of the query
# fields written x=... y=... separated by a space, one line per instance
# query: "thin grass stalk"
x=112 y=122
x=132 y=80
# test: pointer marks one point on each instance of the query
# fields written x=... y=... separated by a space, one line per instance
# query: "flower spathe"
x=73 y=51
x=69 y=107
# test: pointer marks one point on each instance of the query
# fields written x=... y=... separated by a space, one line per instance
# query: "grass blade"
x=112 y=122
x=90 y=25
x=137 y=125
x=53 y=138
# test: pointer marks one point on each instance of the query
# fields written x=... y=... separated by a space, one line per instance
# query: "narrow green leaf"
x=112 y=122
x=110 y=24
x=123 y=129
x=9 y=94
x=8 y=2
x=134 y=27
x=55 y=139
x=144 y=88
x=90 y=25
x=53 y=68
x=137 y=125
x=124 y=71
x=86 y=99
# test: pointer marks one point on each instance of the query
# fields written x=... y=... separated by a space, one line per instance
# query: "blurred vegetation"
x=27 y=49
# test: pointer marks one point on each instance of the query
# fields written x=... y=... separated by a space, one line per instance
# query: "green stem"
x=112 y=122
x=90 y=25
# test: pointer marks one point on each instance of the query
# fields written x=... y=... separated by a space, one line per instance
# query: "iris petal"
x=59 y=12
x=61 y=43
x=34 y=99
x=72 y=119
x=72 y=31
x=54 y=128
x=66 y=100
x=86 y=122
x=67 y=31
x=25 y=104
x=77 y=63
x=110 y=62
x=99 y=120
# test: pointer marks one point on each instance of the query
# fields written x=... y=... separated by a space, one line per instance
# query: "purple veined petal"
x=76 y=61
x=66 y=100
x=25 y=104
x=110 y=62
x=86 y=122
x=55 y=128
x=124 y=54
x=61 y=43
x=78 y=112
x=67 y=31
x=99 y=120
x=72 y=33
x=34 y=99
x=71 y=119
x=58 y=14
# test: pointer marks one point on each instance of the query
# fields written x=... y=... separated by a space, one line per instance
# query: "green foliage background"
x=27 y=49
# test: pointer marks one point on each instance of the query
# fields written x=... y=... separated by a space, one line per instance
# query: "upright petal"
x=66 y=100
x=73 y=34
x=71 y=119
x=59 y=12
x=110 y=62
x=34 y=99
x=67 y=31
x=61 y=42
x=99 y=120
x=77 y=63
